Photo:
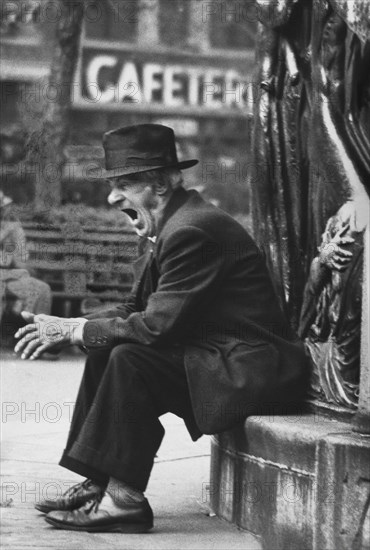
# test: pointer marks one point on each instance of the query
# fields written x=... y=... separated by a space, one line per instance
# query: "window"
x=111 y=20
x=173 y=21
x=20 y=21
x=232 y=23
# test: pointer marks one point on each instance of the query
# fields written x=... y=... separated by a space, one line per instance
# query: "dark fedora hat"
x=140 y=148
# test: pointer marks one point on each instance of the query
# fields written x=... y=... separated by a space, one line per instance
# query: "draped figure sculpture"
x=311 y=142
x=331 y=312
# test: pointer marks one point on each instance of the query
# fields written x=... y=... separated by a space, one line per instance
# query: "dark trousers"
x=115 y=430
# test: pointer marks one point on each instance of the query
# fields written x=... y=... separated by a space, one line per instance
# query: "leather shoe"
x=73 y=498
x=103 y=515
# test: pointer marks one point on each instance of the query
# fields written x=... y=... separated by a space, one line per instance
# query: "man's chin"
x=140 y=229
x=141 y=232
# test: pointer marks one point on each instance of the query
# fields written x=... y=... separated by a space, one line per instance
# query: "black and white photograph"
x=185 y=274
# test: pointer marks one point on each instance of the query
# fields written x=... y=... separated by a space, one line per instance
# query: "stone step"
x=275 y=477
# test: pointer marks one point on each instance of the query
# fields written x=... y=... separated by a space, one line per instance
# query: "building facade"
x=185 y=64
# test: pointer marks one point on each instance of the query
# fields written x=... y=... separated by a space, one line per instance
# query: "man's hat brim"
x=135 y=169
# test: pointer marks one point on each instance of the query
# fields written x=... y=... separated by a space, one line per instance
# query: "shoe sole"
x=46 y=509
x=113 y=528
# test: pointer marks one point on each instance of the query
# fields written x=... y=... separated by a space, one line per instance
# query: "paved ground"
x=37 y=400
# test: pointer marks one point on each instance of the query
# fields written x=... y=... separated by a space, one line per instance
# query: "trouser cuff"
x=134 y=472
x=83 y=469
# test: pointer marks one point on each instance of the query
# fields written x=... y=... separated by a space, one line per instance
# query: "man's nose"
x=116 y=195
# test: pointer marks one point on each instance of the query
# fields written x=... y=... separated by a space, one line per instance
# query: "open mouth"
x=131 y=213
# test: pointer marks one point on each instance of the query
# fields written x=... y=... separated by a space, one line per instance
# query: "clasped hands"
x=333 y=255
x=47 y=332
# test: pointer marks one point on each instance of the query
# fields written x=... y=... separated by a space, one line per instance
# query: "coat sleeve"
x=123 y=310
x=190 y=272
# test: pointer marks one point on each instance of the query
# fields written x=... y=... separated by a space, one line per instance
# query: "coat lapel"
x=139 y=265
x=145 y=267
x=146 y=277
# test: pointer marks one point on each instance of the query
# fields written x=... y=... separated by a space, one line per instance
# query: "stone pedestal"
x=342 y=484
x=298 y=482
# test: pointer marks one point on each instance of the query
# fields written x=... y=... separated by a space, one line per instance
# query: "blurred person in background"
x=19 y=290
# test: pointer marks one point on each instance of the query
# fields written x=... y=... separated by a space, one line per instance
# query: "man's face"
x=138 y=201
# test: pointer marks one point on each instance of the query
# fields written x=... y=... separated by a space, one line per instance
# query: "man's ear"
x=161 y=187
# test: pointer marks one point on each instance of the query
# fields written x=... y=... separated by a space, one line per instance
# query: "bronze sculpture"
x=311 y=140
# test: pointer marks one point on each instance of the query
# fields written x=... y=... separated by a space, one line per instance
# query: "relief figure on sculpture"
x=331 y=312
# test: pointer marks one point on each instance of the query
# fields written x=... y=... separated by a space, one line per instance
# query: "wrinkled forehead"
x=124 y=182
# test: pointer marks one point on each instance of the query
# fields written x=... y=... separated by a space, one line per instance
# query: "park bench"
x=86 y=267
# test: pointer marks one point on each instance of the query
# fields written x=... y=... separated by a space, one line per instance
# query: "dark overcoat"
x=205 y=286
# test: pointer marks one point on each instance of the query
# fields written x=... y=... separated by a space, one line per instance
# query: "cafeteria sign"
x=123 y=79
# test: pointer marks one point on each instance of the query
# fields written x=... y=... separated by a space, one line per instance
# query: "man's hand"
x=332 y=255
x=47 y=332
